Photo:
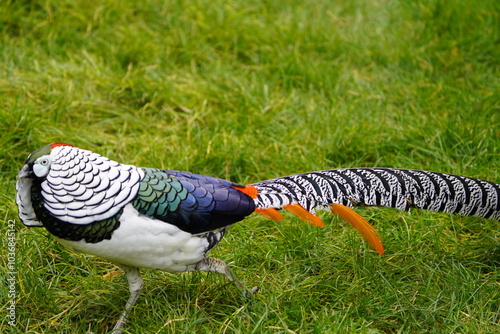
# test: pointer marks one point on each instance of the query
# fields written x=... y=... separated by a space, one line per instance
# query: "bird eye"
x=41 y=167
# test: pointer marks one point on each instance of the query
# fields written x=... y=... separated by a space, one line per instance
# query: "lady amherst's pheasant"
x=169 y=220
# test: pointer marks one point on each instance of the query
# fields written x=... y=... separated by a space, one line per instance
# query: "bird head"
x=38 y=163
x=37 y=166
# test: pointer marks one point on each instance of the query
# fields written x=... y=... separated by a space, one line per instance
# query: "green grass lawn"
x=252 y=90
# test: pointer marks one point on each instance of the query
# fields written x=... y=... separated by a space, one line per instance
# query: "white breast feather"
x=144 y=242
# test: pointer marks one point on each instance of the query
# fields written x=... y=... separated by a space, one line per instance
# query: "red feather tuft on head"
x=54 y=145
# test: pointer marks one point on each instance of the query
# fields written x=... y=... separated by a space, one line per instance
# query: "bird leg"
x=220 y=267
x=135 y=284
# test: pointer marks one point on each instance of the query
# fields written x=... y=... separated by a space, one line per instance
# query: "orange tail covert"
x=361 y=225
x=303 y=214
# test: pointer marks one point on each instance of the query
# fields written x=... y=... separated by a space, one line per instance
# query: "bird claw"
x=250 y=293
x=247 y=293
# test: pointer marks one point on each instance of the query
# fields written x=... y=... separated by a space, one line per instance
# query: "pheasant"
x=170 y=220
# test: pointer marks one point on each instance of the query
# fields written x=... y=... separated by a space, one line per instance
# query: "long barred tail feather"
x=395 y=188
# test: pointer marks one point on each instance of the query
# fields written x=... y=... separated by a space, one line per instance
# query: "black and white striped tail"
x=396 y=188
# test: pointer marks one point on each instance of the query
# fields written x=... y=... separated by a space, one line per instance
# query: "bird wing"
x=194 y=203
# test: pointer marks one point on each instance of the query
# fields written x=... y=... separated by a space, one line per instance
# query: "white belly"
x=146 y=243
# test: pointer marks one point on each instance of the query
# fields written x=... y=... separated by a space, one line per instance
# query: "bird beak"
x=25 y=172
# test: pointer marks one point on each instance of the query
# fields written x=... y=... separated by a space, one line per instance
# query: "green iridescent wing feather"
x=159 y=194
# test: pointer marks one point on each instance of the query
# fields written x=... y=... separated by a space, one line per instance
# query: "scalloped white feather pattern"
x=23 y=201
x=83 y=187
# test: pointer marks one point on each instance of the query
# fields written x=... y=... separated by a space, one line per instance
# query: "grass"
x=251 y=90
